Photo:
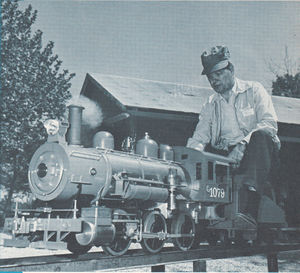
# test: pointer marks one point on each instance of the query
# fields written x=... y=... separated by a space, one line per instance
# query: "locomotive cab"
x=210 y=175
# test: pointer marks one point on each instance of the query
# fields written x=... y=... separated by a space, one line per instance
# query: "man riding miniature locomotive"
x=239 y=121
x=99 y=196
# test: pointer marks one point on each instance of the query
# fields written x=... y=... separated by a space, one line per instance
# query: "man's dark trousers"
x=259 y=171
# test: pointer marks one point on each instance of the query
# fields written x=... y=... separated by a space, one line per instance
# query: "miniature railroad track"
x=135 y=258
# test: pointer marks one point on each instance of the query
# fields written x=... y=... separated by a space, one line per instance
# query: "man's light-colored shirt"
x=231 y=134
x=254 y=111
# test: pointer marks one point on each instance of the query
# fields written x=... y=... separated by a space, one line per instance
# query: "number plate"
x=215 y=192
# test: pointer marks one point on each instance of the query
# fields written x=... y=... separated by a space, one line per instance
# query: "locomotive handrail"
x=124 y=221
x=222 y=163
x=161 y=183
x=141 y=180
x=137 y=156
x=42 y=210
x=86 y=155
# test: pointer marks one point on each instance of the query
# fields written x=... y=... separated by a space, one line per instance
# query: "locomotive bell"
x=103 y=140
x=166 y=152
x=147 y=147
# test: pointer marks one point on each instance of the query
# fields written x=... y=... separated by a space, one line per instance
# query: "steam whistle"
x=128 y=144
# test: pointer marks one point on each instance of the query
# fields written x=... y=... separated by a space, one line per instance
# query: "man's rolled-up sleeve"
x=202 y=133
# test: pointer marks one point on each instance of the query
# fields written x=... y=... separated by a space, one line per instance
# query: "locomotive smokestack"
x=75 y=120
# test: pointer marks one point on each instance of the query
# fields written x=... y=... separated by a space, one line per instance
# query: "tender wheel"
x=121 y=242
x=183 y=224
x=75 y=247
x=153 y=222
x=239 y=239
x=266 y=236
x=212 y=238
x=224 y=238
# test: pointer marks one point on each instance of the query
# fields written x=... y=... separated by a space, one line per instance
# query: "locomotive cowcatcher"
x=99 y=196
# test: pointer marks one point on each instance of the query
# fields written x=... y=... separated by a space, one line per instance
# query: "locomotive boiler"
x=102 y=197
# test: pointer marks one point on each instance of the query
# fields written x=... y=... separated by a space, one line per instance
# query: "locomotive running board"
x=23 y=243
x=49 y=245
x=289 y=233
x=286 y=229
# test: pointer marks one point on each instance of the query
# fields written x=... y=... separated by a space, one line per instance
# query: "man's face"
x=221 y=80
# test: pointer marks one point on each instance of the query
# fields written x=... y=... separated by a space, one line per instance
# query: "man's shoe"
x=244 y=221
x=252 y=189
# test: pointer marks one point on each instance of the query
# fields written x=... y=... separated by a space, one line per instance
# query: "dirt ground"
x=287 y=261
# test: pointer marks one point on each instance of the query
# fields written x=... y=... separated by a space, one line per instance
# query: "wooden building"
x=169 y=113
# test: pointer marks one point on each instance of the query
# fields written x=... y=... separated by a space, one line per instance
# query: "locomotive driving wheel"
x=184 y=225
x=154 y=223
x=121 y=242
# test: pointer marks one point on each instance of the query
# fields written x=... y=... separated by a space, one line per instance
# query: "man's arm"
x=202 y=133
x=266 y=117
x=265 y=112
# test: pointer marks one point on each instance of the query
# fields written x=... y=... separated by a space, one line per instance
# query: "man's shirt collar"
x=241 y=86
x=232 y=92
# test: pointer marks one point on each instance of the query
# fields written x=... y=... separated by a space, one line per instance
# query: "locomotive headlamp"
x=52 y=126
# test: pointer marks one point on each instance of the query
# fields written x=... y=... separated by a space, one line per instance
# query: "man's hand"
x=237 y=154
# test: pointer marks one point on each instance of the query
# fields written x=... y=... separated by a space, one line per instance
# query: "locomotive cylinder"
x=146 y=193
x=95 y=235
x=75 y=119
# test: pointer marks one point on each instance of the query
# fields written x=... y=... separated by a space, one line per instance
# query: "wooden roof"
x=151 y=95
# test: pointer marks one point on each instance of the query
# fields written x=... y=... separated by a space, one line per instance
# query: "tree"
x=287 y=82
x=287 y=85
x=33 y=89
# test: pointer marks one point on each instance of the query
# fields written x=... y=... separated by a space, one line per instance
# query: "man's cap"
x=215 y=59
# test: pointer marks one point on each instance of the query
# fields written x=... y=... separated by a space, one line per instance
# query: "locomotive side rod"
x=137 y=258
x=163 y=235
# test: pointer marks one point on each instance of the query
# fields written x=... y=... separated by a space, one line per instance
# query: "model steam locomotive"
x=102 y=197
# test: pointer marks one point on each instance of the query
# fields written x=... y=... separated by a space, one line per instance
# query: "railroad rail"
x=137 y=258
